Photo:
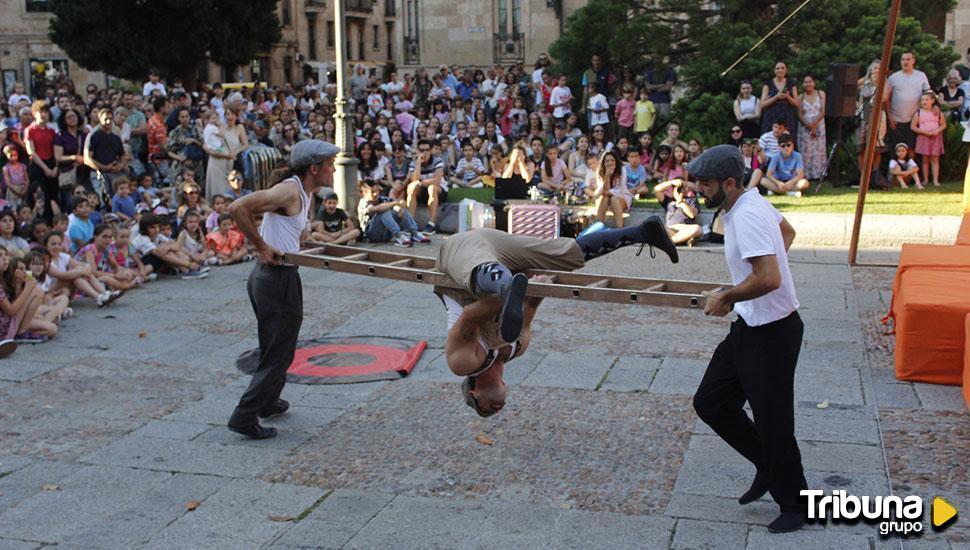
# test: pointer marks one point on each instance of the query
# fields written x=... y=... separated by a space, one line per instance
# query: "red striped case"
x=534 y=220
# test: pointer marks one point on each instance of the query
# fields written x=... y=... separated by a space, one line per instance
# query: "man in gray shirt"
x=902 y=100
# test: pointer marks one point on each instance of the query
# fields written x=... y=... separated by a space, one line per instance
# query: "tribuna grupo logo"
x=895 y=515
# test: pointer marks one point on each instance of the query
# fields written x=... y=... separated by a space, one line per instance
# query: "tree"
x=126 y=37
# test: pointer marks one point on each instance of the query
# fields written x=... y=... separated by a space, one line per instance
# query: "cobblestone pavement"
x=114 y=436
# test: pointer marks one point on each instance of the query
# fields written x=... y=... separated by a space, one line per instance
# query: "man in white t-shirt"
x=905 y=87
x=756 y=361
x=598 y=108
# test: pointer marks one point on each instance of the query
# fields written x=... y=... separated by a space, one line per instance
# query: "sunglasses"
x=735 y=130
x=191 y=192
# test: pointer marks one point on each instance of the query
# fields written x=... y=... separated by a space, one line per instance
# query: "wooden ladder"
x=568 y=285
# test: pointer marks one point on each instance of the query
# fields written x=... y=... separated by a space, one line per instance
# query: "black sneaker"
x=655 y=235
x=510 y=318
x=786 y=522
x=430 y=229
x=280 y=407
x=254 y=431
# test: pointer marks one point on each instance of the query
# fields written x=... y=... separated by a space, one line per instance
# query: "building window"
x=516 y=16
x=38 y=5
x=361 y=41
x=503 y=18
x=377 y=38
x=287 y=68
x=330 y=34
x=311 y=23
x=390 y=40
x=412 y=48
x=285 y=15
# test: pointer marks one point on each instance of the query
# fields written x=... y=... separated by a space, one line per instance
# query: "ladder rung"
x=360 y=256
x=655 y=288
x=406 y=262
x=602 y=283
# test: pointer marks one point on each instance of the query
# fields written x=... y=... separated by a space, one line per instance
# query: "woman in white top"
x=747 y=111
x=611 y=191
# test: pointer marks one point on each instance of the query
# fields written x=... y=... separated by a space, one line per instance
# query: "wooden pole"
x=887 y=51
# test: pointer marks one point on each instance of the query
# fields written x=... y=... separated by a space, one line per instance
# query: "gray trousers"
x=276 y=294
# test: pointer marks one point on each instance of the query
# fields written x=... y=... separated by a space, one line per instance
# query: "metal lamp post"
x=345 y=175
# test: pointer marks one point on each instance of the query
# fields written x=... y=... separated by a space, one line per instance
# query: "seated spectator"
x=191 y=240
x=122 y=203
x=161 y=256
x=694 y=149
x=145 y=191
x=332 y=224
x=38 y=228
x=399 y=167
x=80 y=226
x=635 y=174
x=673 y=137
x=125 y=257
x=385 y=219
x=659 y=161
x=680 y=203
x=192 y=200
x=227 y=243
x=61 y=222
x=586 y=190
x=470 y=169
x=903 y=169
x=426 y=183
x=15 y=245
x=611 y=191
x=786 y=170
x=676 y=165
x=236 y=189
x=753 y=163
x=38 y=262
x=26 y=317
x=75 y=276
x=556 y=179
x=769 y=140
x=97 y=254
x=220 y=206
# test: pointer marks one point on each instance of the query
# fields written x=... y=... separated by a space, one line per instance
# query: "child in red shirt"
x=228 y=243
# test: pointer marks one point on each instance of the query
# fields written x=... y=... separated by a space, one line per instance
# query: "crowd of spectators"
x=103 y=189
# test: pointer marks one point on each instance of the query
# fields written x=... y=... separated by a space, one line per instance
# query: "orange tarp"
x=930 y=309
x=929 y=257
x=963 y=236
x=966 y=364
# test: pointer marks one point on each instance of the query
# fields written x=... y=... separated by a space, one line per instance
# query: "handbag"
x=68 y=179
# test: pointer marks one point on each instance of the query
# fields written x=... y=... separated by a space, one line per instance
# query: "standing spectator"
x=560 y=100
x=929 y=124
x=811 y=128
x=220 y=156
x=104 y=153
x=963 y=69
x=659 y=81
x=216 y=102
x=867 y=94
x=597 y=74
x=15 y=178
x=158 y=136
x=905 y=87
x=139 y=128
x=779 y=99
x=786 y=171
x=17 y=96
x=597 y=107
x=39 y=141
x=646 y=114
x=626 y=115
x=359 y=83
x=153 y=85
x=69 y=153
x=952 y=95
x=747 y=111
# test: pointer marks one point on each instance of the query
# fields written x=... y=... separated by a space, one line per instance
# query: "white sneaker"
x=402 y=240
x=771 y=193
x=103 y=298
x=152 y=276
x=794 y=193
x=211 y=261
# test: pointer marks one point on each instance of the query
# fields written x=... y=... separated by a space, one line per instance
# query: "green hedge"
x=485 y=194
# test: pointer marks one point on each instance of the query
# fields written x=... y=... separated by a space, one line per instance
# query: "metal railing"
x=508 y=47
x=412 y=51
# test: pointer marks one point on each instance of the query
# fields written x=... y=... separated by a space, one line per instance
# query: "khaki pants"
x=462 y=253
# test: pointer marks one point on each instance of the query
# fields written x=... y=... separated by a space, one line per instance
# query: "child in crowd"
x=97 y=254
x=674 y=167
x=94 y=213
x=929 y=125
x=25 y=217
x=636 y=173
x=146 y=191
x=470 y=169
x=151 y=251
x=219 y=205
x=191 y=240
x=20 y=308
x=73 y=275
x=646 y=115
x=680 y=203
x=15 y=244
x=122 y=203
x=125 y=257
x=60 y=223
x=80 y=227
x=333 y=225
x=228 y=244
x=385 y=219
x=38 y=262
x=38 y=228
x=555 y=174
x=903 y=168
x=625 y=114
x=15 y=178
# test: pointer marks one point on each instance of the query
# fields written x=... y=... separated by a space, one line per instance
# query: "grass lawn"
x=944 y=200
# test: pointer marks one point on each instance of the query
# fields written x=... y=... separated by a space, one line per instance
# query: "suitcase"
x=534 y=220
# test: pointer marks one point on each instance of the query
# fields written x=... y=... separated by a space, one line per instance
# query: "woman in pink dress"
x=929 y=124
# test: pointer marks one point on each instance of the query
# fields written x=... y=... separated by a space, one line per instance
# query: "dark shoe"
x=254 y=431
x=655 y=234
x=757 y=490
x=510 y=318
x=786 y=522
x=280 y=407
x=7 y=347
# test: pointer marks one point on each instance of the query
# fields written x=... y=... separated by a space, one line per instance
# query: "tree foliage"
x=126 y=37
x=704 y=38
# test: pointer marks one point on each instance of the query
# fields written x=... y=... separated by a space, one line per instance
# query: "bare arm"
x=787 y=233
x=281 y=197
x=461 y=347
x=765 y=277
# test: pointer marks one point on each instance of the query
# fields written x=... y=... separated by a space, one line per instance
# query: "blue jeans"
x=385 y=225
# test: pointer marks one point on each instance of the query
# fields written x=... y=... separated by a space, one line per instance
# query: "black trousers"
x=277 y=297
x=757 y=365
x=48 y=185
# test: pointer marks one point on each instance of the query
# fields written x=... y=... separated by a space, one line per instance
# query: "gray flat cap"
x=718 y=162
x=311 y=151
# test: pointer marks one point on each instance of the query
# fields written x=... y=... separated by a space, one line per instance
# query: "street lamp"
x=345 y=175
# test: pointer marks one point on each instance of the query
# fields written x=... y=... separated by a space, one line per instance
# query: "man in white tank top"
x=756 y=361
x=274 y=287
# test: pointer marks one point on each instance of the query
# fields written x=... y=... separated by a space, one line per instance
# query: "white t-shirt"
x=906 y=91
x=751 y=229
x=63 y=261
x=561 y=94
x=142 y=244
x=598 y=101
x=150 y=87
x=894 y=163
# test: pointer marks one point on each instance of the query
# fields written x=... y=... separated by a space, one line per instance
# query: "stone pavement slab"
x=570 y=370
x=631 y=374
x=678 y=376
x=708 y=535
x=760 y=539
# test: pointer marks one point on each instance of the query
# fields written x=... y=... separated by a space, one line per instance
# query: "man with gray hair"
x=274 y=287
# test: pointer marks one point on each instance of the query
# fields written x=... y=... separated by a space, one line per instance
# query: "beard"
x=716 y=200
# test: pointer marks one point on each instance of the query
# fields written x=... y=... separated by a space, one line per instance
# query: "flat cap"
x=311 y=151
x=718 y=162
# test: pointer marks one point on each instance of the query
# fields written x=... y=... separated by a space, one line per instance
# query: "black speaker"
x=842 y=87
